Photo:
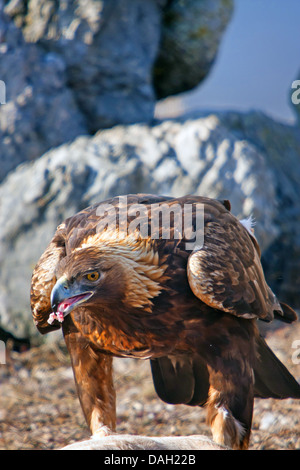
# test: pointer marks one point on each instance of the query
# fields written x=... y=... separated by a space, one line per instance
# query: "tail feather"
x=287 y=314
x=180 y=379
x=272 y=379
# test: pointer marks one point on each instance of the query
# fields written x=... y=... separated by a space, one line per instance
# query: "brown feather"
x=226 y=273
x=191 y=311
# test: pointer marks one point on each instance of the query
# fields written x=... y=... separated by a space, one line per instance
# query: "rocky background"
x=82 y=81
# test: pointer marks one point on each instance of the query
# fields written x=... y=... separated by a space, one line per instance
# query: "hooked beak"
x=64 y=298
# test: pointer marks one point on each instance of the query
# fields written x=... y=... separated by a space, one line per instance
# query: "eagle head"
x=105 y=280
x=86 y=278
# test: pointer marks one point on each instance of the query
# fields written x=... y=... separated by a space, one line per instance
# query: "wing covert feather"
x=226 y=273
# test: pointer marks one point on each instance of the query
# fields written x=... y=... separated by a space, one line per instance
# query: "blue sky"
x=257 y=62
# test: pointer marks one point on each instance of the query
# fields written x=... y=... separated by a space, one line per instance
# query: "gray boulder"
x=108 y=48
x=71 y=68
x=40 y=111
x=191 y=34
x=247 y=158
x=116 y=50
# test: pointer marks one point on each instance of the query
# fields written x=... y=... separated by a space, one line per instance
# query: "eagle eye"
x=93 y=276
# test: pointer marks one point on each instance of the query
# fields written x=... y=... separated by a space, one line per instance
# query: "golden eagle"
x=185 y=293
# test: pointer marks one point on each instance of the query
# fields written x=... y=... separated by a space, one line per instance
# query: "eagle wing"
x=43 y=281
x=226 y=272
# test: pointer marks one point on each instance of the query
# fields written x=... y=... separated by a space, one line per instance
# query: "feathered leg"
x=230 y=408
x=94 y=382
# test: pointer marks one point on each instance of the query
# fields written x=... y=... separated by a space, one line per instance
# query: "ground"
x=39 y=408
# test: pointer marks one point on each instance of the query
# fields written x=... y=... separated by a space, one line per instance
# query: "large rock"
x=247 y=158
x=108 y=47
x=40 y=111
x=71 y=68
x=191 y=35
x=115 y=50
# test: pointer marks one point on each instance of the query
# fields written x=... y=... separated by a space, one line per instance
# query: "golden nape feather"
x=175 y=280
